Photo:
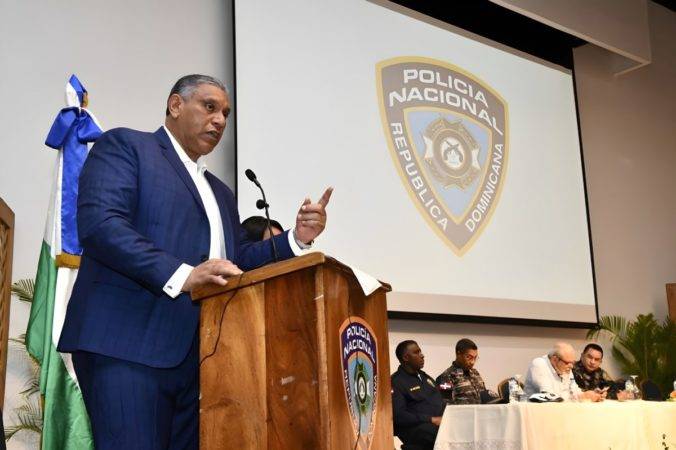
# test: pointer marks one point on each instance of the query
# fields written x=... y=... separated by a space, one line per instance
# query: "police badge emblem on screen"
x=359 y=360
x=447 y=133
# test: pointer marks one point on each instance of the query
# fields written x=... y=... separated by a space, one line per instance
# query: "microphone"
x=263 y=204
x=252 y=177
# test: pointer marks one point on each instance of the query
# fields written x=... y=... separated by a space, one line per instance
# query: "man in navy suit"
x=154 y=225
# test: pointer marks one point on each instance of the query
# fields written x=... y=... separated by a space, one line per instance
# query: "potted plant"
x=29 y=413
x=642 y=347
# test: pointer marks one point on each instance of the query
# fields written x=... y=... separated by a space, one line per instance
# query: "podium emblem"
x=359 y=361
x=447 y=132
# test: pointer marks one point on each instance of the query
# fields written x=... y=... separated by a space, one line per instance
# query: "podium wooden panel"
x=271 y=374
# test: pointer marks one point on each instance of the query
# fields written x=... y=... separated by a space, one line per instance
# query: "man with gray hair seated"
x=552 y=373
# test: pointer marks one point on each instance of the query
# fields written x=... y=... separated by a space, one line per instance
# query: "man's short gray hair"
x=186 y=85
x=560 y=348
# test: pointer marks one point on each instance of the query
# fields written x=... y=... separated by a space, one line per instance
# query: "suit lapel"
x=229 y=234
x=171 y=155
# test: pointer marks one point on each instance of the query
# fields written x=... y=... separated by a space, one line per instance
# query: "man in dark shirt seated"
x=461 y=384
x=256 y=228
x=417 y=405
x=589 y=375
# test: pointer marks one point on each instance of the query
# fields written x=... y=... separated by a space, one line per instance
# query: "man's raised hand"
x=311 y=218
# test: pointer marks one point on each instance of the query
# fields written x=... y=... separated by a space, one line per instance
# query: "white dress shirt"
x=196 y=170
x=542 y=376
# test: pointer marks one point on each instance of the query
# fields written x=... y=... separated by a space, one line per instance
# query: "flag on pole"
x=66 y=424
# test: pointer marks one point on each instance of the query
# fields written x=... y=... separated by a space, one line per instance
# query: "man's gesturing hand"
x=311 y=218
x=212 y=271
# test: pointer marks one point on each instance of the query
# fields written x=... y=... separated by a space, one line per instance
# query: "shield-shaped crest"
x=447 y=133
x=359 y=360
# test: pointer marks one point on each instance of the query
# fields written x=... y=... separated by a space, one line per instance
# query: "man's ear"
x=174 y=104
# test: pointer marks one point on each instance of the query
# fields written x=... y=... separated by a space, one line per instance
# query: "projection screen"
x=456 y=161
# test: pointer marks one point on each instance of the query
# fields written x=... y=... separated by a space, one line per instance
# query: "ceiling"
x=502 y=25
x=507 y=27
x=671 y=4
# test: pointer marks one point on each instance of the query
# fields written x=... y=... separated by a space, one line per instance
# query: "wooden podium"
x=273 y=345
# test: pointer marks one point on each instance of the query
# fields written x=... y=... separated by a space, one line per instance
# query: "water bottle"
x=637 y=391
x=514 y=389
x=521 y=395
x=630 y=388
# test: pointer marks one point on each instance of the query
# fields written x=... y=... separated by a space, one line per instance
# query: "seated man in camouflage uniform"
x=461 y=384
x=589 y=375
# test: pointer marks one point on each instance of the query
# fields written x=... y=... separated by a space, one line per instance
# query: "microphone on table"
x=263 y=204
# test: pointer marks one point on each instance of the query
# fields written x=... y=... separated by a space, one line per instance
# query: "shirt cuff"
x=297 y=247
x=177 y=280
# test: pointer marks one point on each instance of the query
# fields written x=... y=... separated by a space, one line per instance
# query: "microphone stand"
x=263 y=204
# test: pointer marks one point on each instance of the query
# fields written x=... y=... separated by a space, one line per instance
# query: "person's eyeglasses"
x=568 y=363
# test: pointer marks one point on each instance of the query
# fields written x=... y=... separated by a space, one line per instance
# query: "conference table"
x=630 y=425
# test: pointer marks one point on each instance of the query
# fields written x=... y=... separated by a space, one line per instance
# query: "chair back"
x=503 y=388
x=651 y=391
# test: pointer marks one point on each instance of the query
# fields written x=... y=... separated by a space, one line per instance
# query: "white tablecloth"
x=634 y=425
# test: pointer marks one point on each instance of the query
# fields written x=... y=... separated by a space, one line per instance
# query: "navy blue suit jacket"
x=139 y=217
